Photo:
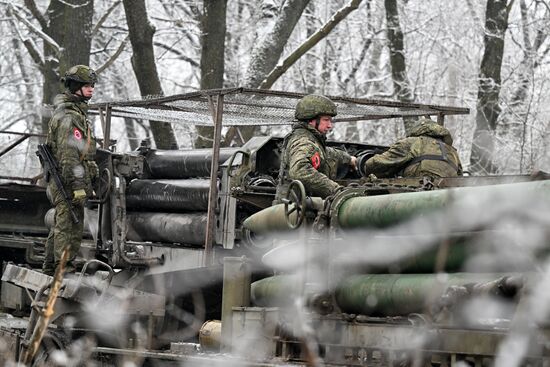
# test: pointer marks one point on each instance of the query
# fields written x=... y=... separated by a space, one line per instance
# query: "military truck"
x=200 y=256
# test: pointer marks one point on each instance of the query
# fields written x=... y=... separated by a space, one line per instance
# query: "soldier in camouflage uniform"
x=73 y=145
x=306 y=157
x=426 y=152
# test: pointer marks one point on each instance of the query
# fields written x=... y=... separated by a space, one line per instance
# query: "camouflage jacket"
x=427 y=151
x=73 y=145
x=307 y=158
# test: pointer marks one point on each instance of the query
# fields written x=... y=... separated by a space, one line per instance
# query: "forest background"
x=490 y=56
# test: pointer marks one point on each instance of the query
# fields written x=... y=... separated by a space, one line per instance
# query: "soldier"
x=73 y=145
x=306 y=156
x=427 y=151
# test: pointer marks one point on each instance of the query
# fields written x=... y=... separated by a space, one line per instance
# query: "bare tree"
x=314 y=39
x=66 y=42
x=439 y=55
x=398 y=63
x=143 y=62
x=269 y=48
x=488 y=108
x=263 y=70
x=212 y=57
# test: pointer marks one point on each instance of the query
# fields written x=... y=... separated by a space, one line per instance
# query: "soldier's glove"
x=93 y=169
x=79 y=196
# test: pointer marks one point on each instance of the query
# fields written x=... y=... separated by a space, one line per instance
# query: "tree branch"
x=30 y=46
x=541 y=36
x=114 y=56
x=177 y=52
x=509 y=7
x=281 y=68
x=359 y=61
x=33 y=51
x=474 y=14
x=104 y=17
x=31 y=5
x=34 y=29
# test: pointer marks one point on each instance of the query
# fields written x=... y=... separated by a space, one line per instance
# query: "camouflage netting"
x=258 y=107
x=241 y=107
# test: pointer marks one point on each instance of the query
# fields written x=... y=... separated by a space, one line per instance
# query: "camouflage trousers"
x=64 y=234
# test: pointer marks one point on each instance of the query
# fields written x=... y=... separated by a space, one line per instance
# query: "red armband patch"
x=77 y=134
x=316 y=160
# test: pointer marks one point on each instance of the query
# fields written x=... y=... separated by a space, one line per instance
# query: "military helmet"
x=314 y=105
x=81 y=74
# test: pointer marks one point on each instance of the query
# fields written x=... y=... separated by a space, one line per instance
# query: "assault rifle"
x=51 y=171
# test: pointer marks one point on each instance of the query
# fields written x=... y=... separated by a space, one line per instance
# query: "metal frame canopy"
x=245 y=106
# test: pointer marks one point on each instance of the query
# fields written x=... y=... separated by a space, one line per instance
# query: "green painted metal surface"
x=425 y=262
x=399 y=294
x=385 y=210
x=371 y=294
x=270 y=219
x=277 y=290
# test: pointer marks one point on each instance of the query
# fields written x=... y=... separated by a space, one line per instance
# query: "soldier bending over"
x=427 y=151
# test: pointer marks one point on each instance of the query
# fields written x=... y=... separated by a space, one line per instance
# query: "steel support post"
x=236 y=293
x=213 y=192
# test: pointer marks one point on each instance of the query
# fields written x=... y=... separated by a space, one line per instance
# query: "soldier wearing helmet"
x=427 y=151
x=306 y=157
x=73 y=145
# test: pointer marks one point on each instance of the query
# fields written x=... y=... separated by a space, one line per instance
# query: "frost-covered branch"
x=74 y=6
x=273 y=33
x=31 y=47
x=177 y=52
x=359 y=61
x=509 y=6
x=31 y=5
x=473 y=13
x=35 y=29
x=16 y=119
x=314 y=39
x=114 y=56
x=105 y=16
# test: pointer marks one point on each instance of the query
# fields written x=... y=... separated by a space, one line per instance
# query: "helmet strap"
x=317 y=122
x=80 y=95
x=84 y=98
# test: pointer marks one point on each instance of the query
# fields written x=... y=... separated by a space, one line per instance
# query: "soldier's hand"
x=79 y=195
x=353 y=163
x=93 y=169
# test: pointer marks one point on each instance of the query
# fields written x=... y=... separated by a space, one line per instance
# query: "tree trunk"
x=70 y=26
x=269 y=49
x=313 y=40
x=374 y=87
x=143 y=62
x=212 y=57
x=311 y=79
x=488 y=109
x=267 y=52
x=401 y=87
x=30 y=100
